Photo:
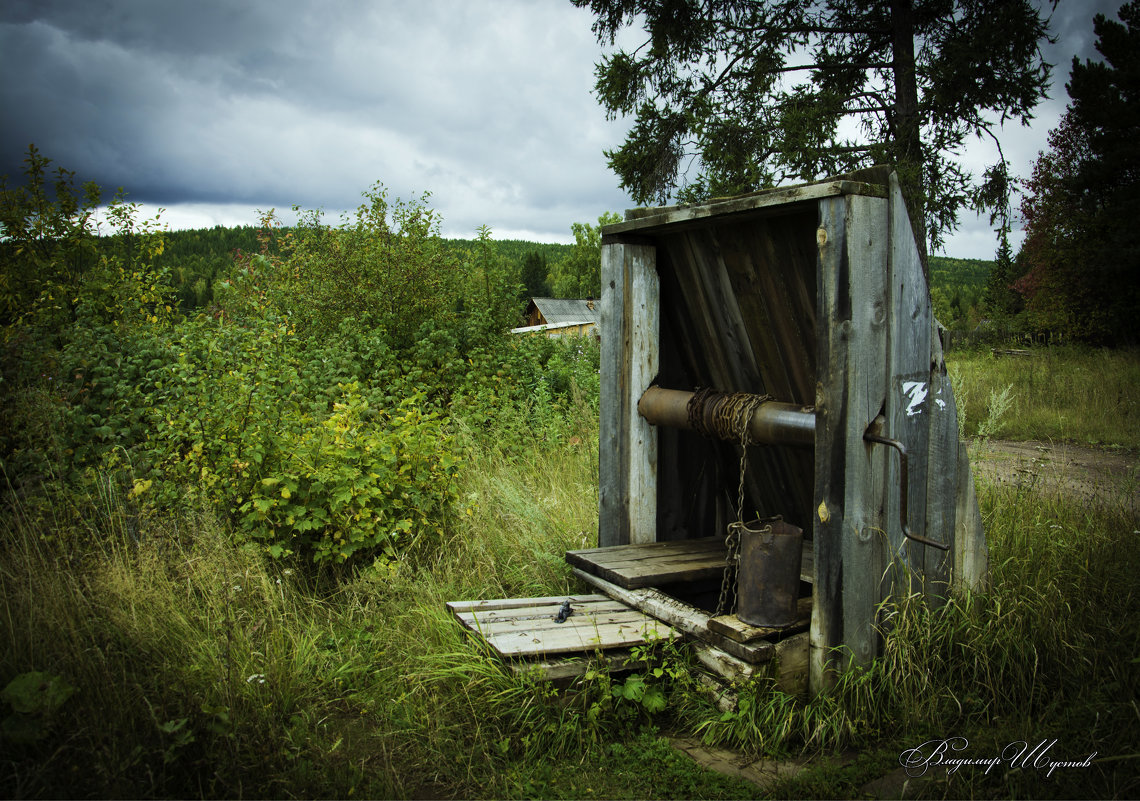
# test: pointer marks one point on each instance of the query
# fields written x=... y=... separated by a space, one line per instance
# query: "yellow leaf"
x=285 y=493
x=140 y=487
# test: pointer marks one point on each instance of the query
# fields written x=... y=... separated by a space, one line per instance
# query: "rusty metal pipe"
x=774 y=423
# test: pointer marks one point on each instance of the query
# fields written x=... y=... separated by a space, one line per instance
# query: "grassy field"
x=1082 y=395
x=174 y=664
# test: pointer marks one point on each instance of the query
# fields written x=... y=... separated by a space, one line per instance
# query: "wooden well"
x=814 y=295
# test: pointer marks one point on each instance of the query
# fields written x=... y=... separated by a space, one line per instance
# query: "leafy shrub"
x=352 y=483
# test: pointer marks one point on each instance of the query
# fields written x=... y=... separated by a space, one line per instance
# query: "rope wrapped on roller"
x=720 y=415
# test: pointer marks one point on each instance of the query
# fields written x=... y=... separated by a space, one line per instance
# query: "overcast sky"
x=215 y=108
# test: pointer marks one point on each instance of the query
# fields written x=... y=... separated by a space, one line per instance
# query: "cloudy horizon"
x=213 y=110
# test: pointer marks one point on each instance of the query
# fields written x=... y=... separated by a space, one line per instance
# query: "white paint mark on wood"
x=917 y=392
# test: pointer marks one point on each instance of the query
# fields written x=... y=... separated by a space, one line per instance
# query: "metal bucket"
x=768 y=586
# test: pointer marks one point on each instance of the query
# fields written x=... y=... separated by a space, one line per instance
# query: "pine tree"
x=1082 y=243
x=750 y=94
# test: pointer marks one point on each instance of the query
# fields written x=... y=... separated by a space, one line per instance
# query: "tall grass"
x=1062 y=393
x=205 y=669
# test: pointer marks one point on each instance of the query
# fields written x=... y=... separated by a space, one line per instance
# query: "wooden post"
x=908 y=397
x=833 y=313
x=971 y=556
x=862 y=537
x=627 y=460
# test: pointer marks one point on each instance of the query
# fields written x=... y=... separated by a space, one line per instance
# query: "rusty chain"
x=730 y=416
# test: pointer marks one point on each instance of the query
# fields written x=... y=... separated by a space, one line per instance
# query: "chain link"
x=728 y=416
x=737 y=412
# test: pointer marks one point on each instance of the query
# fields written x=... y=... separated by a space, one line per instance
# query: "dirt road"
x=1095 y=475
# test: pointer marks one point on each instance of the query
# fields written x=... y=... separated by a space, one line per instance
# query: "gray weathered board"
x=736 y=629
x=660 y=563
x=687 y=619
x=526 y=627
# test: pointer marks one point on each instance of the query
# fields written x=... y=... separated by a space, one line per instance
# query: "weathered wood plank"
x=942 y=482
x=661 y=563
x=791 y=664
x=868 y=250
x=908 y=399
x=613 y=480
x=651 y=550
x=569 y=640
x=515 y=603
x=725 y=664
x=656 y=576
x=560 y=669
x=645 y=220
x=543 y=612
x=971 y=556
x=540 y=626
x=833 y=331
x=678 y=614
x=524 y=627
x=642 y=353
x=736 y=629
x=627 y=460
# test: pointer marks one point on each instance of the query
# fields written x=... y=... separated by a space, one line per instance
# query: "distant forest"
x=197 y=258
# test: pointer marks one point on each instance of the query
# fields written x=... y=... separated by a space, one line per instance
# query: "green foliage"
x=76 y=356
x=48 y=239
x=579 y=274
x=321 y=450
x=957 y=288
x=34 y=697
x=1000 y=300
x=1082 y=249
x=757 y=93
x=533 y=276
x=355 y=483
x=386 y=267
x=196 y=258
x=493 y=291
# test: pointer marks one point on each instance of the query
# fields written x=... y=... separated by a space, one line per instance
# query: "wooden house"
x=811 y=300
x=559 y=317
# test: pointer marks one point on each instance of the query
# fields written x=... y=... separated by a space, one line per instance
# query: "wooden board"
x=861 y=545
x=681 y=616
x=908 y=399
x=526 y=627
x=627 y=464
x=645 y=220
x=563 y=669
x=736 y=629
x=660 y=563
x=833 y=332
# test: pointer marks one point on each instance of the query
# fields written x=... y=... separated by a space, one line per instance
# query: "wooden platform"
x=632 y=609
x=526 y=627
x=659 y=563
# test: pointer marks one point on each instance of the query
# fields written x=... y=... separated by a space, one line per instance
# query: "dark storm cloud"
x=486 y=103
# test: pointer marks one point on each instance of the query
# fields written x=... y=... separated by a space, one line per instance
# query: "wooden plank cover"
x=526 y=627
x=660 y=563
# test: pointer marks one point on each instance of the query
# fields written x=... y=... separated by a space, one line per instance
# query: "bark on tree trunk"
x=908 y=134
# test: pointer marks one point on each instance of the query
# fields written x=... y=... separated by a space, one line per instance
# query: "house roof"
x=568 y=310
